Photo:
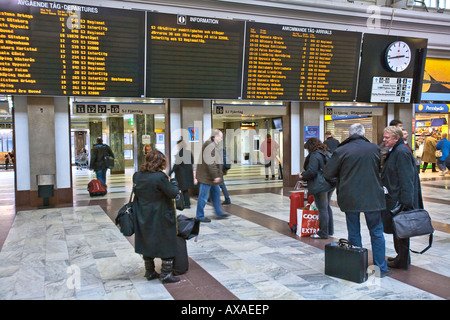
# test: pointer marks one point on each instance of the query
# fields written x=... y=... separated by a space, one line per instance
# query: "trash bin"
x=46 y=184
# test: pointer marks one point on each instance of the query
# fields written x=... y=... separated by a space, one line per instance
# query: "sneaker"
x=316 y=236
x=226 y=202
x=223 y=216
x=386 y=273
x=204 y=220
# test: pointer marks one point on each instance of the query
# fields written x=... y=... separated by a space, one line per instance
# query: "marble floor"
x=78 y=253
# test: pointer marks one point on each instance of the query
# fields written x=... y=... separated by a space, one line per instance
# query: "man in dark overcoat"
x=356 y=165
x=401 y=179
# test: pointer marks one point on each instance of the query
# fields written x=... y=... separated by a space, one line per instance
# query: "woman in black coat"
x=401 y=179
x=156 y=226
x=318 y=156
x=184 y=173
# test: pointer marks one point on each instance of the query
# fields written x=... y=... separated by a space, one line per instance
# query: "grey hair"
x=356 y=128
x=394 y=130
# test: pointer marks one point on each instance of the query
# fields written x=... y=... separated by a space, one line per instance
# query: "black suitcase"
x=346 y=262
x=181 y=261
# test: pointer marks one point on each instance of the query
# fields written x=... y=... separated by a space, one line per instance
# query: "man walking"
x=98 y=162
x=209 y=176
x=356 y=165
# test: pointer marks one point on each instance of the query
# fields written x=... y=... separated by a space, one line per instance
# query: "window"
x=435 y=4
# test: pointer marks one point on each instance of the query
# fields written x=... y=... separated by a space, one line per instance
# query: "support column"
x=42 y=143
x=95 y=131
x=116 y=131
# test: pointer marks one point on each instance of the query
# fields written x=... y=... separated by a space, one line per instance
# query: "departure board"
x=300 y=63
x=57 y=49
x=193 y=57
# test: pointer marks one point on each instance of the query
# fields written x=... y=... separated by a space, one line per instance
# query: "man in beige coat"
x=429 y=152
x=209 y=176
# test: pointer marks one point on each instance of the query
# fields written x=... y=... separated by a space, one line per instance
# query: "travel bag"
x=96 y=188
x=344 y=261
x=181 y=260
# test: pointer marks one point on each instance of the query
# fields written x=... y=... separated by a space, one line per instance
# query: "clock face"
x=398 y=56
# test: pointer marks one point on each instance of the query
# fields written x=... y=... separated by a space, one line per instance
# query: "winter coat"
x=269 y=148
x=356 y=165
x=443 y=145
x=401 y=178
x=156 y=227
x=98 y=153
x=210 y=163
x=314 y=162
x=183 y=169
x=429 y=150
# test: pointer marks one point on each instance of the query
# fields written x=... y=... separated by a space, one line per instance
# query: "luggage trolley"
x=82 y=161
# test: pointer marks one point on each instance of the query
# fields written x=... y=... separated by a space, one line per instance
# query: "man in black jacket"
x=98 y=162
x=401 y=179
x=331 y=142
x=356 y=165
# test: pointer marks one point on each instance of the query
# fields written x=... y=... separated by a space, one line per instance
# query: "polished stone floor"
x=78 y=253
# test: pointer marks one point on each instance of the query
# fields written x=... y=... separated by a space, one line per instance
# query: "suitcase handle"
x=344 y=243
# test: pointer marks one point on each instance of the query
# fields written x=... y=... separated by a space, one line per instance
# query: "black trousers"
x=402 y=248
x=425 y=165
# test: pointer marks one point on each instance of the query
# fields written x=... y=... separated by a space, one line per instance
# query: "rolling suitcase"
x=346 y=262
x=297 y=202
x=181 y=260
x=96 y=188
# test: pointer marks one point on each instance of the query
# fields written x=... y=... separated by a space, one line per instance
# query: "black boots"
x=150 y=272
x=166 y=272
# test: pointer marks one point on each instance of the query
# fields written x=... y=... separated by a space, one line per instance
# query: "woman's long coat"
x=429 y=150
x=156 y=228
x=183 y=169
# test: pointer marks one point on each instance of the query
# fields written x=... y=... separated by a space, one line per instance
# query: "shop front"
x=429 y=118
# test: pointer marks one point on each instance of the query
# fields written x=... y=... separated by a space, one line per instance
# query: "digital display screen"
x=300 y=63
x=193 y=57
x=57 y=49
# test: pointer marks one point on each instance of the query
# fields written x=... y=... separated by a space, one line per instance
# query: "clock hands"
x=396 y=57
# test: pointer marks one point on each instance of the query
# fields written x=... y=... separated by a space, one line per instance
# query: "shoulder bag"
x=125 y=217
x=413 y=223
x=188 y=228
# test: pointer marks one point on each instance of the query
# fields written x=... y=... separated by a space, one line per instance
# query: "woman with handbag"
x=400 y=177
x=155 y=227
x=318 y=156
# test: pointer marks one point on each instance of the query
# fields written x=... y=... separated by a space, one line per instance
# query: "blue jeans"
x=225 y=192
x=101 y=175
x=326 y=225
x=203 y=194
x=375 y=225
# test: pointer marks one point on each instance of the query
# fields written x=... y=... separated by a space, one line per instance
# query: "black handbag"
x=344 y=261
x=188 y=228
x=125 y=218
x=179 y=201
x=413 y=223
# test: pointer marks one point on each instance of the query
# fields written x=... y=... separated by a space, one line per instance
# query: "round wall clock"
x=398 y=56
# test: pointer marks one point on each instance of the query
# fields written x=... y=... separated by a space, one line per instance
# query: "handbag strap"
x=132 y=193
x=430 y=242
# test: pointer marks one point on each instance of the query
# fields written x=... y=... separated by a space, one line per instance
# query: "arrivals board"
x=193 y=57
x=300 y=63
x=57 y=49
